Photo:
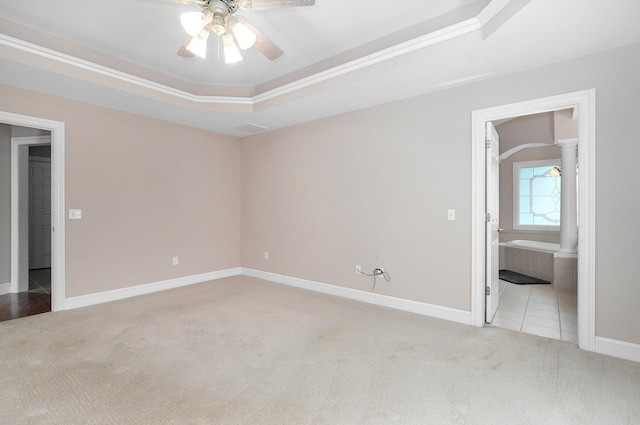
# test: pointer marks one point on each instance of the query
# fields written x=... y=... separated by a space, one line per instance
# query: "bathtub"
x=533 y=245
x=533 y=258
x=538 y=259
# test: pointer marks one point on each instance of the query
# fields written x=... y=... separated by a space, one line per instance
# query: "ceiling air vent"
x=251 y=128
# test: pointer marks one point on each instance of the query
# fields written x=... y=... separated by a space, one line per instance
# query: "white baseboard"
x=354 y=294
x=5 y=288
x=620 y=349
x=424 y=309
x=133 y=291
x=610 y=347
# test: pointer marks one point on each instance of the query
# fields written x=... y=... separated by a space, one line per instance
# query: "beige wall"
x=19 y=131
x=373 y=188
x=564 y=124
x=149 y=190
x=370 y=187
x=538 y=128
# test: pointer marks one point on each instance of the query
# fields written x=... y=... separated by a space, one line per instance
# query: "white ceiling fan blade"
x=182 y=51
x=274 y=4
x=264 y=45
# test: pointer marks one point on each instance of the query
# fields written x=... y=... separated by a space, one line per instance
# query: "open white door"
x=493 y=222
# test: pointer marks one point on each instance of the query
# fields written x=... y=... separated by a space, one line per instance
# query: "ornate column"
x=568 y=201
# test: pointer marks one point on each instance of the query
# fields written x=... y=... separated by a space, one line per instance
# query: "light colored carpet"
x=245 y=351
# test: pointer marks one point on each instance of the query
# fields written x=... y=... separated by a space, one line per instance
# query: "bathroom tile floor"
x=40 y=281
x=538 y=310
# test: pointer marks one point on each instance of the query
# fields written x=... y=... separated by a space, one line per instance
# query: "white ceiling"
x=339 y=55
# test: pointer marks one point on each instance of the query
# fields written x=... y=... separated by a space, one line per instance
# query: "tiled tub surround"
x=532 y=263
x=560 y=270
x=565 y=273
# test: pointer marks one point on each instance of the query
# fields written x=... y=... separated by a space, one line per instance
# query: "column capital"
x=567 y=143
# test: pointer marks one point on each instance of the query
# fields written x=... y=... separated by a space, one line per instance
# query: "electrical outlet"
x=358 y=269
x=378 y=270
x=266 y=255
x=175 y=261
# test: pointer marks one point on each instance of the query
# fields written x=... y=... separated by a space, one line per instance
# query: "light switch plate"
x=75 y=214
x=451 y=215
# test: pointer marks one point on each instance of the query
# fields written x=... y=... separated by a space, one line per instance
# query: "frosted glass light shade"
x=198 y=45
x=194 y=22
x=244 y=35
x=231 y=52
x=554 y=172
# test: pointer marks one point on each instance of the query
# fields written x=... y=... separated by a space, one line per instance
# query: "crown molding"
x=438 y=36
x=66 y=59
x=406 y=47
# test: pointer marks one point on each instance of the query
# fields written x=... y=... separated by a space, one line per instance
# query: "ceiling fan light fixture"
x=198 y=45
x=194 y=22
x=245 y=4
x=554 y=172
x=218 y=17
x=231 y=52
x=218 y=25
x=244 y=36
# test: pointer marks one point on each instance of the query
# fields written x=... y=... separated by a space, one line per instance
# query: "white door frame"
x=57 y=202
x=584 y=102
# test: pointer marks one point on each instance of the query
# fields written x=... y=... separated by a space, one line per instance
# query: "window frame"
x=516 y=194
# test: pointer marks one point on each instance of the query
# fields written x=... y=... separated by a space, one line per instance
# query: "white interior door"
x=493 y=222
x=39 y=212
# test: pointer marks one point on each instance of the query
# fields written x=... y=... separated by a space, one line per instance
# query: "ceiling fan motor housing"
x=222 y=6
x=220 y=10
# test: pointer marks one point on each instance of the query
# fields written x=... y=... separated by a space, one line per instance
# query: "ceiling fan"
x=218 y=17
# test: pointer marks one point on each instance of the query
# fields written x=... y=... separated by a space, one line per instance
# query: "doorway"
x=31 y=174
x=536 y=286
x=584 y=104
x=31 y=167
x=18 y=249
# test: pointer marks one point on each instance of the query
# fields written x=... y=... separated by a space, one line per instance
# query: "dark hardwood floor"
x=37 y=300
x=14 y=306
